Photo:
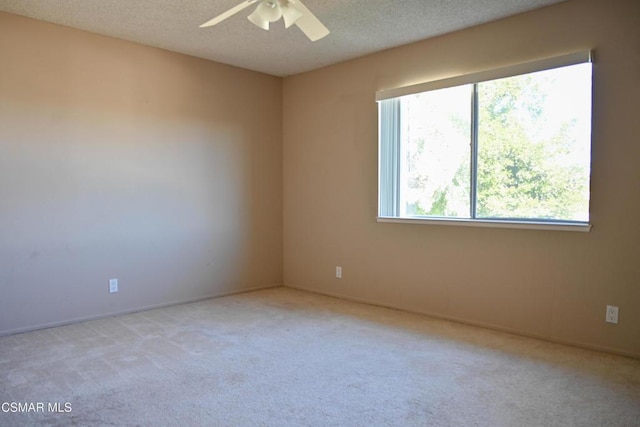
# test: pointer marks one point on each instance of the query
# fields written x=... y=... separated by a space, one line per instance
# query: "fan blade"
x=228 y=13
x=309 y=24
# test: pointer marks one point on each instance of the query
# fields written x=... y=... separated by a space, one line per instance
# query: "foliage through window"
x=508 y=149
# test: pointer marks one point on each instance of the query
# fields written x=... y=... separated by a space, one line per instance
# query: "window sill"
x=526 y=225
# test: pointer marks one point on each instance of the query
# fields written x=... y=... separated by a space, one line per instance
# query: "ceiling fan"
x=292 y=12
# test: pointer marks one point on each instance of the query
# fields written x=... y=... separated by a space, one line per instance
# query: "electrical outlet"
x=339 y=272
x=113 y=286
x=612 y=314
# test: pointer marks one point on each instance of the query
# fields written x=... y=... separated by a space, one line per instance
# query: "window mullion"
x=474 y=151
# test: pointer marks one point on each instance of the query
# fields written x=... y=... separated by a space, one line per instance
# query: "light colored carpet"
x=285 y=357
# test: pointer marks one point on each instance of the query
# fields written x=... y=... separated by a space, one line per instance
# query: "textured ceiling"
x=358 y=27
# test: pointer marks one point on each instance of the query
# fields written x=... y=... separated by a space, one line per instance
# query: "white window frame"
x=388 y=162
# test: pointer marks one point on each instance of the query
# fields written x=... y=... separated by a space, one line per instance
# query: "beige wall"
x=124 y=161
x=548 y=284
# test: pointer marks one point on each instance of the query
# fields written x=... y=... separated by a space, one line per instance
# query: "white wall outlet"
x=339 y=272
x=113 y=285
x=612 y=314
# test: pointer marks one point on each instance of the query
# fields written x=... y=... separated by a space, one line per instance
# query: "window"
x=506 y=147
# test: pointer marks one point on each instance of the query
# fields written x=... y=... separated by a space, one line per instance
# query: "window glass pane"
x=534 y=136
x=435 y=140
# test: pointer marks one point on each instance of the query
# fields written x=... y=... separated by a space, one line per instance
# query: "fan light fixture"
x=270 y=11
x=290 y=15
x=267 y=11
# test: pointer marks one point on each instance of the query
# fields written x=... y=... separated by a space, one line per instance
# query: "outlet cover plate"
x=113 y=286
x=612 y=314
